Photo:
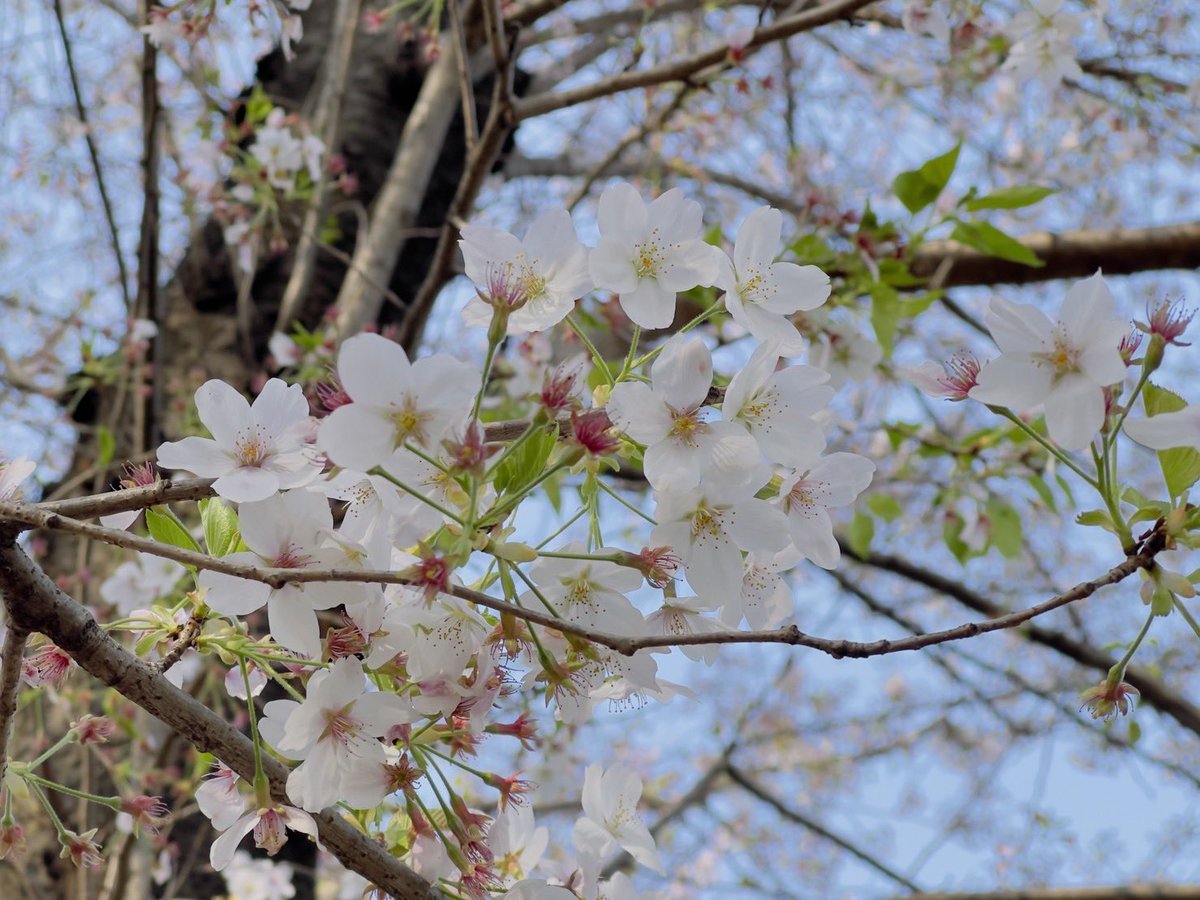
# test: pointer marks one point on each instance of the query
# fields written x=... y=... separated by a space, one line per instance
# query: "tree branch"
x=10 y=684
x=684 y=69
x=33 y=602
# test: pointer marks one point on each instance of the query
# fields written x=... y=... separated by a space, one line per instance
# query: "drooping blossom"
x=610 y=820
x=648 y=254
x=533 y=282
x=219 y=799
x=1065 y=364
x=682 y=444
x=270 y=826
x=256 y=450
x=394 y=401
x=762 y=294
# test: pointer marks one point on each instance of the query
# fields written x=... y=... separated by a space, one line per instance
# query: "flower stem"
x=429 y=501
x=1117 y=672
x=1049 y=447
x=597 y=358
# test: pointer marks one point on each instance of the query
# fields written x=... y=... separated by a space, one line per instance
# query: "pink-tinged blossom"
x=762 y=294
x=952 y=380
x=1167 y=430
x=219 y=799
x=1064 y=364
x=270 y=826
x=517 y=844
x=235 y=684
x=287 y=531
x=806 y=498
x=50 y=665
x=256 y=450
x=610 y=821
x=337 y=728
x=139 y=475
x=94 y=729
x=81 y=849
x=535 y=281
x=709 y=527
x=394 y=401
x=682 y=444
x=1168 y=320
x=12 y=473
x=776 y=407
x=648 y=254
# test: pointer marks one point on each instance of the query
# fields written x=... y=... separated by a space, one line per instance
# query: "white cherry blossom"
x=394 y=401
x=12 y=473
x=762 y=294
x=681 y=616
x=219 y=799
x=807 y=497
x=590 y=593
x=270 y=826
x=765 y=600
x=540 y=277
x=255 y=450
x=1065 y=364
x=682 y=445
x=1167 y=430
x=336 y=728
x=647 y=255
x=287 y=531
x=610 y=820
x=777 y=407
x=137 y=583
x=709 y=526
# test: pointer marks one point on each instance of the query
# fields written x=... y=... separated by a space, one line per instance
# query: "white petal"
x=611 y=266
x=357 y=437
x=1074 y=411
x=757 y=242
x=683 y=372
x=372 y=369
x=649 y=304
x=1167 y=430
x=221 y=852
x=636 y=410
x=1017 y=327
x=223 y=411
x=294 y=624
x=1012 y=380
x=621 y=211
x=202 y=457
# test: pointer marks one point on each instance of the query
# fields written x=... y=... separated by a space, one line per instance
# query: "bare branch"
x=743 y=780
x=93 y=153
x=688 y=68
x=32 y=516
x=34 y=603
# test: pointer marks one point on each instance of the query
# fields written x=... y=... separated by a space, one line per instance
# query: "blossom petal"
x=1074 y=411
x=757 y=242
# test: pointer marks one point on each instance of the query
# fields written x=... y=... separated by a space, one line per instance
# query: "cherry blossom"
x=255 y=450
x=534 y=282
x=12 y=474
x=394 y=401
x=682 y=445
x=219 y=799
x=1065 y=364
x=709 y=526
x=590 y=593
x=806 y=498
x=610 y=821
x=335 y=729
x=680 y=616
x=270 y=825
x=137 y=583
x=287 y=531
x=761 y=294
x=842 y=351
x=1167 y=430
x=777 y=407
x=258 y=879
x=952 y=380
x=647 y=255
x=517 y=844
x=765 y=600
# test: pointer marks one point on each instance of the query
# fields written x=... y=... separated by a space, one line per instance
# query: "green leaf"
x=1135 y=732
x=920 y=187
x=221 y=529
x=952 y=528
x=525 y=463
x=1010 y=197
x=1006 y=528
x=1180 y=465
x=1043 y=491
x=991 y=240
x=884 y=506
x=862 y=532
x=1096 y=517
x=106 y=445
x=166 y=529
x=885 y=315
x=812 y=250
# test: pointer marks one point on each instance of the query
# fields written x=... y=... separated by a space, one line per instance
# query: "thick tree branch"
x=1069 y=254
x=10 y=684
x=34 y=603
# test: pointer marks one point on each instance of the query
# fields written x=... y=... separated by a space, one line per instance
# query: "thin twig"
x=93 y=153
